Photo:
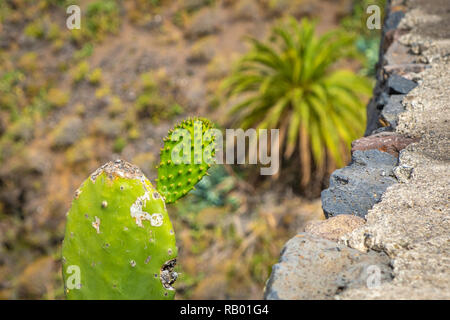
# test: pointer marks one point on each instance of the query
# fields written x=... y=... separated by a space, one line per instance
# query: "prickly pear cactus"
x=188 y=153
x=119 y=241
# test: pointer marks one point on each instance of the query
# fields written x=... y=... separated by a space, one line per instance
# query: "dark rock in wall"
x=356 y=188
x=382 y=100
x=373 y=113
x=381 y=130
x=393 y=59
x=399 y=84
x=392 y=110
x=393 y=20
x=315 y=268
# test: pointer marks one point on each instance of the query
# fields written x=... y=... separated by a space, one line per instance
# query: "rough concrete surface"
x=412 y=222
x=409 y=225
x=326 y=267
x=335 y=227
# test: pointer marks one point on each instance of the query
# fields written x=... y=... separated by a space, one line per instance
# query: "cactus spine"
x=119 y=242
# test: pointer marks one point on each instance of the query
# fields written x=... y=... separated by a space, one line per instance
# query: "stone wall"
x=387 y=232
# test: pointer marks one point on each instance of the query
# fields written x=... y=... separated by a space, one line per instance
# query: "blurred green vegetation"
x=224 y=254
x=291 y=82
x=367 y=41
x=66 y=104
x=152 y=102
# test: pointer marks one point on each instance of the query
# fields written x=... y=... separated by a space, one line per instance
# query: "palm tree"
x=292 y=83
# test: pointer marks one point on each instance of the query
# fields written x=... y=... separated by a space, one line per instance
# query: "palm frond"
x=291 y=82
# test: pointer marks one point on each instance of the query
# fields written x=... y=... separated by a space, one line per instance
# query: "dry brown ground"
x=37 y=184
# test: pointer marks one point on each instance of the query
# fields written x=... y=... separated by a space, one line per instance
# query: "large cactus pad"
x=119 y=238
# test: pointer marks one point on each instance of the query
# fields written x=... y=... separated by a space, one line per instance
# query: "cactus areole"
x=119 y=241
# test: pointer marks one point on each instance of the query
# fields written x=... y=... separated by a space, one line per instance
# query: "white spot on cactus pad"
x=96 y=224
x=136 y=209
x=139 y=215
x=133 y=263
x=156 y=219
x=120 y=173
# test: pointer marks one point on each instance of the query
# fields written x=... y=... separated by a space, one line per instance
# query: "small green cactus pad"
x=119 y=242
x=187 y=155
